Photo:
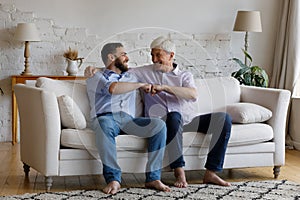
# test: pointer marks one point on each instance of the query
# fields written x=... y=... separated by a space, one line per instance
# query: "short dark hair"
x=109 y=48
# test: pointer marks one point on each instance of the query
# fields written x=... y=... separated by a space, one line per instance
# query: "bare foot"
x=158 y=185
x=112 y=187
x=211 y=177
x=180 y=178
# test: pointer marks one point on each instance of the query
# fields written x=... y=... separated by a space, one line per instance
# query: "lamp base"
x=26 y=74
x=26 y=71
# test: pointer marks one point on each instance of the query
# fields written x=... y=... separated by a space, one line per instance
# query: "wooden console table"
x=22 y=79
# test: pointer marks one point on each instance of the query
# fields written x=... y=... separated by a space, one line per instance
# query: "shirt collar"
x=107 y=73
x=175 y=69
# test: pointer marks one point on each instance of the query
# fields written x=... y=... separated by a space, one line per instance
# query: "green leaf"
x=241 y=72
x=250 y=75
x=238 y=61
x=247 y=79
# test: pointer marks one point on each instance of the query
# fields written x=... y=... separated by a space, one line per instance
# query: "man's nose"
x=154 y=59
x=127 y=58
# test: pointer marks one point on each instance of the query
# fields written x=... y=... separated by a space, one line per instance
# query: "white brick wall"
x=205 y=55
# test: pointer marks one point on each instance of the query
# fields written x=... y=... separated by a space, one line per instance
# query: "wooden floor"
x=12 y=180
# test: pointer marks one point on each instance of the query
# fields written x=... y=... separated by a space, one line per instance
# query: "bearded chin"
x=121 y=66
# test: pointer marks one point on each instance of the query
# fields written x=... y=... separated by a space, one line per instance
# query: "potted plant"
x=250 y=75
x=74 y=62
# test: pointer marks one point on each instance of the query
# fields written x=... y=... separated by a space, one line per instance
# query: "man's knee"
x=105 y=121
x=226 y=119
x=174 y=116
x=174 y=121
x=223 y=116
x=106 y=125
x=160 y=125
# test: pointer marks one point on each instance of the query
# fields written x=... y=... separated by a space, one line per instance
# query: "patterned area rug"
x=239 y=190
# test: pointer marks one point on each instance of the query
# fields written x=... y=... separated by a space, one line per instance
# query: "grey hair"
x=164 y=44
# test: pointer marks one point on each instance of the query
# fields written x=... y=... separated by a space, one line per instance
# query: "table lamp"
x=247 y=21
x=27 y=32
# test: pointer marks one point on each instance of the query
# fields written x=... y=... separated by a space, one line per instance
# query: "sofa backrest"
x=213 y=95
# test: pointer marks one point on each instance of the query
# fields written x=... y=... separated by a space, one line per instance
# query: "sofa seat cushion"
x=245 y=134
x=241 y=134
x=85 y=139
x=78 y=139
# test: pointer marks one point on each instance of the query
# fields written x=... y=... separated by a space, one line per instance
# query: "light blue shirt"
x=162 y=103
x=101 y=101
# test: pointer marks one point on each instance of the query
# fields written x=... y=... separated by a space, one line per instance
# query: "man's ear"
x=111 y=57
x=172 y=54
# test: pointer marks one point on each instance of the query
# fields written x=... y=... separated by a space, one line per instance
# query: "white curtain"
x=286 y=65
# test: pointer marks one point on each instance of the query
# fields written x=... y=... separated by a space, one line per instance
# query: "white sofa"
x=54 y=150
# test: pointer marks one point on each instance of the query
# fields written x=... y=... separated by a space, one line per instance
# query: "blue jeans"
x=109 y=125
x=218 y=124
x=174 y=123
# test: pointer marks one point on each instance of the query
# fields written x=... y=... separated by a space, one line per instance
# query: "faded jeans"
x=108 y=126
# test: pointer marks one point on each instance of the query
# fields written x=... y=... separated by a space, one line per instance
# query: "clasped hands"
x=153 y=89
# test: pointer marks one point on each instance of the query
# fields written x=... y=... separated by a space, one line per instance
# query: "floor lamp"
x=27 y=32
x=247 y=21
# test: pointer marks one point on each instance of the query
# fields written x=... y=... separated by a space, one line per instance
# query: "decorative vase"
x=73 y=66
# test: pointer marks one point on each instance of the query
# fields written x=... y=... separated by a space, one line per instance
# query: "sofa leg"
x=26 y=169
x=49 y=182
x=276 y=171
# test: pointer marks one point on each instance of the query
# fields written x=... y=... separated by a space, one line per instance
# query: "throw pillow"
x=70 y=113
x=248 y=113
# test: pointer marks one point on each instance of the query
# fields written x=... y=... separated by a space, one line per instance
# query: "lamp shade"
x=248 y=21
x=27 y=32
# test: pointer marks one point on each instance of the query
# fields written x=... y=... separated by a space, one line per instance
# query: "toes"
x=158 y=185
x=112 y=188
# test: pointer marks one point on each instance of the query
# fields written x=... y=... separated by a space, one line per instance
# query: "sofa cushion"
x=248 y=113
x=75 y=89
x=70 y=114
x=242 y=134
x=79 y=139
x=85 y=139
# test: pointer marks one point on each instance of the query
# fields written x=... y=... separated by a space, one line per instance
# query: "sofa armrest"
x=40 y=128
x=277 y=100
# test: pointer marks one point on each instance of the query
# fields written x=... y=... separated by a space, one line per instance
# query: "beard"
x=121 y=65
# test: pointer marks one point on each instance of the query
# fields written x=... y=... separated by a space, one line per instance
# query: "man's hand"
x=90 y=71
x=156 y=89
x=147 y=87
